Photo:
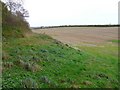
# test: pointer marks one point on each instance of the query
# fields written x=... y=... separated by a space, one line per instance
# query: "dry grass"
x=29 y=66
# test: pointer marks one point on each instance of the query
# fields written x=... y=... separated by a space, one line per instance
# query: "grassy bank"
x=105 y=59
x=41 y=62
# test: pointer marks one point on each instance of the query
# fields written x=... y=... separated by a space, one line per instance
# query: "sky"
x=71 y=12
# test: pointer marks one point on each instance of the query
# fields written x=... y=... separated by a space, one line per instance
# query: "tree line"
x=44 y=27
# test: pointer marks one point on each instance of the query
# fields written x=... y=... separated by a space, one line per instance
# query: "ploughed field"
x=76 y=35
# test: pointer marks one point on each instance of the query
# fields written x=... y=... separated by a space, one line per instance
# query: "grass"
x=105 y=59
x=115 y=41
x=60 y=66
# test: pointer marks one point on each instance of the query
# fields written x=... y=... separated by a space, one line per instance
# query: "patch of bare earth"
x=76 y=35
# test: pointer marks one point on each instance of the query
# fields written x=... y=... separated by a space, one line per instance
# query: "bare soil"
x=76 y=35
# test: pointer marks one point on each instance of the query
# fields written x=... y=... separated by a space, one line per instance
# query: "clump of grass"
x=44 y=36
x=57 y=42
x=67 y=45
x=5 y=56
x=75 y=86
x=115 y=41
x=29 y=83
x=87 y=83
x=7 y=64
x=46 y=80
x=33 y=67
x=20 y=63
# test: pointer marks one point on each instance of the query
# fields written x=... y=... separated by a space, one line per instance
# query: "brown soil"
x=76 y=35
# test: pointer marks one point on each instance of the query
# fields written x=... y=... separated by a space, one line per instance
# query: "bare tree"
x=16 y=7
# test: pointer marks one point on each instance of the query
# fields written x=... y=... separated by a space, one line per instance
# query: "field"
x=76 y=35
x=87 y=59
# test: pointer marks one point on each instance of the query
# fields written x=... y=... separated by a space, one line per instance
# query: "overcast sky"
x=71 y=12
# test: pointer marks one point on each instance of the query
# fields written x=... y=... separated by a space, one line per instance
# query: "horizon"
x=95 y=25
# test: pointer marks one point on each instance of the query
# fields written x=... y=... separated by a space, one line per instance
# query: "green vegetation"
x=115 y=41
x=105 y=59
x=42 y=62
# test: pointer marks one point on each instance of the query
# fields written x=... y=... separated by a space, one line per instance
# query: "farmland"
x=76 y=35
